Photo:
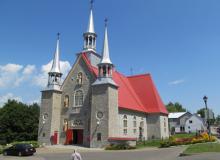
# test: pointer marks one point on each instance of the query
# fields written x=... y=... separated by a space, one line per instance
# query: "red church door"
x=69 y=136
x=55 y=137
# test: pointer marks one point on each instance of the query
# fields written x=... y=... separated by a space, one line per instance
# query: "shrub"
x=165 y=143
x=34 y=143
x=119 y=147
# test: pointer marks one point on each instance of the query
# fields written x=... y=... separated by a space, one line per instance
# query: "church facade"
x=96 y=105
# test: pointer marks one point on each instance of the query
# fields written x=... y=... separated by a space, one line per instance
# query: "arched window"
x=66 y=101
x=125 y=125
x=65 y=125
x=78 y=98
x=79 y=78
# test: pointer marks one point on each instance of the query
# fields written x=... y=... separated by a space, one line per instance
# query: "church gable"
x=77 y=82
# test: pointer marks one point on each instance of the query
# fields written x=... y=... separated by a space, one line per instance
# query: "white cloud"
x=11 y=68
x=4 y=98
x=176 y=82
x=29 y=69
x=12 y=75
x=42 y=78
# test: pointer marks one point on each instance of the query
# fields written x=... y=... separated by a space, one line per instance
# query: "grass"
x=184 y=135
x=150 y=143
x=203 y=147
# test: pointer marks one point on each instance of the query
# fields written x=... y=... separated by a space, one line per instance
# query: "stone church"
x=96 y=105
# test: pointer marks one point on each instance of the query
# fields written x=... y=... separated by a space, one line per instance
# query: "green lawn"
x=184 y=135
x=150 y=143
x=203 y=147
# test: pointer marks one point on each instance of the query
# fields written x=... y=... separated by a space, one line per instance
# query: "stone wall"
x=50 y=105
x=105 y=100
x=140 y=117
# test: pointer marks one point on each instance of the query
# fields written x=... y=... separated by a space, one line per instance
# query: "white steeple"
x=54 y=80
x=105 y=67
x=105 y=51
x=91 y=23
x=56 y=59
x=90 y=35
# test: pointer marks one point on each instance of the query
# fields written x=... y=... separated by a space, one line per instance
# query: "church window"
x=65 y=125
x=142 y=127
x=79 y=78
x=125 y=131
x=125 y=125
x=134 y=122
x=99 y=136
x=78 y=98
x=66 y=101
x=134 y=131
x=165 y=125
x=125 y=121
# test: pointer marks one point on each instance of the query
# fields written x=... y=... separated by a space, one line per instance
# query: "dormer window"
x=79 y=78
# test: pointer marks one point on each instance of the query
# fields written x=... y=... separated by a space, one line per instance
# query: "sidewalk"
x=67 y=148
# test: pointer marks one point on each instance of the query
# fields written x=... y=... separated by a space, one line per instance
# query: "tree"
x=18 y=121
x=217 y=119
x=202 y=111
x=175 y=107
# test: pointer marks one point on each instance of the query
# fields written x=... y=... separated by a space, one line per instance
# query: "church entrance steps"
x=71 y=147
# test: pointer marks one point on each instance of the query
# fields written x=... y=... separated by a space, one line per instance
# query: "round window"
x=45 y=116
x=99 y=115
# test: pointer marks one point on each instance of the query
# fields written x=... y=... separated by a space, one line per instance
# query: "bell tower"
x=49 y=120
x=104 y=109
x=90 y=35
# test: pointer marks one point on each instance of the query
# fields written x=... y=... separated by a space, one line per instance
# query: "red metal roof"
x=136 y=93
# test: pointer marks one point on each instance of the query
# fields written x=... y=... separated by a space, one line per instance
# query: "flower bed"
x=204 y=137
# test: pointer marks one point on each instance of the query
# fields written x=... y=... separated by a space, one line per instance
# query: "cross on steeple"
x=106 y=22
x=91 y=4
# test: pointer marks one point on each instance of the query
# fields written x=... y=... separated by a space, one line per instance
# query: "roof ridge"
x=138 y=75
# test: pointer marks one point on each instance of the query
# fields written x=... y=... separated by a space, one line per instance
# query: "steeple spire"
x=54 y=80
x=105 y=52
x=91 y=22
x=56 y=60
x=90 y=35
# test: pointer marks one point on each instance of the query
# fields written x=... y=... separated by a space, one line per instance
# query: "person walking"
x=76 y=155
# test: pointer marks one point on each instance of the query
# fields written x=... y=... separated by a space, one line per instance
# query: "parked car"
x=19 y=150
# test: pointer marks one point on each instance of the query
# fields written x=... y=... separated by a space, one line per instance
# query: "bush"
x=165 y=143
x=119 y=147
x=34 y=143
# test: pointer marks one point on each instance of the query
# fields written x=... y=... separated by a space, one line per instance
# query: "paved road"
x=145 y=154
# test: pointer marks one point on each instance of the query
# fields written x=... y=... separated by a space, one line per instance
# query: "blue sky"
x=178 y=42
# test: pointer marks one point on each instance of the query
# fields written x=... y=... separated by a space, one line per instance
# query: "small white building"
x=177 y=121
x=195 y=124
